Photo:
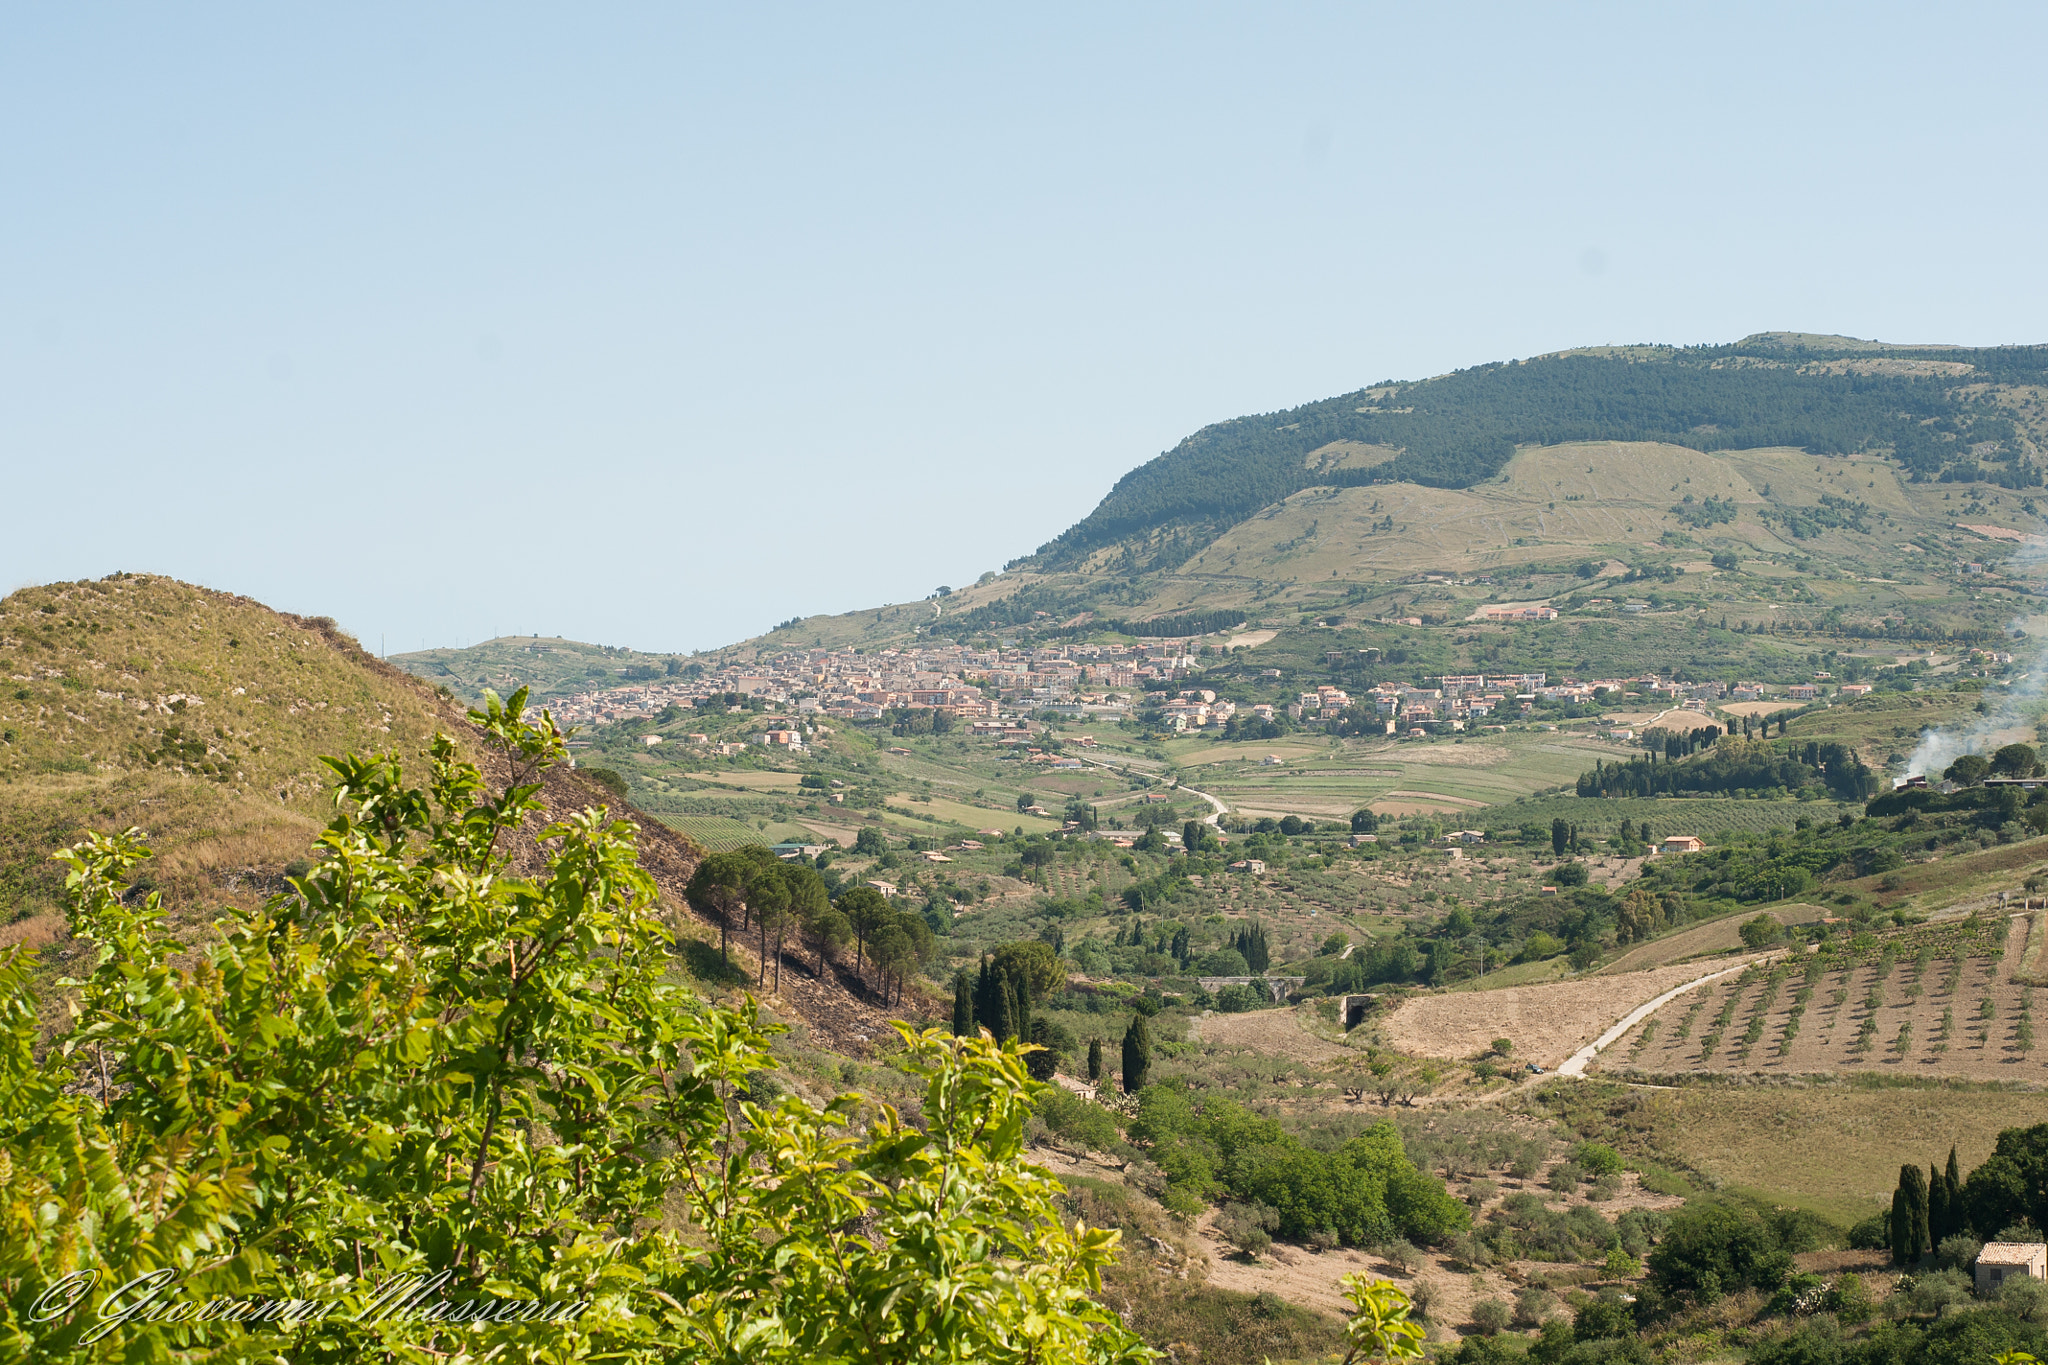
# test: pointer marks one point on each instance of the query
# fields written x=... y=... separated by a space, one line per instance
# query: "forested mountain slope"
x=1852 y=478
x=1939 y=411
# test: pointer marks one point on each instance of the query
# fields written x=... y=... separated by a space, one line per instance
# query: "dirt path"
x=1313 y=1279
x=1547 y=1023
x=1575 y=1065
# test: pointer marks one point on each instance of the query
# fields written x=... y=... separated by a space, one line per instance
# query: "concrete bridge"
x=1355 y=1009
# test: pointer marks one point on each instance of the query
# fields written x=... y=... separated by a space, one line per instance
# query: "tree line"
x=2003 y=1200
x=750 y=890
x=1732 y=764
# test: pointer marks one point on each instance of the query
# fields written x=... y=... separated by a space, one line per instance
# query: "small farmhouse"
x=2000 y=1261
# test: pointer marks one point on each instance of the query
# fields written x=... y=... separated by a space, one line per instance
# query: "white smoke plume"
x=2012 y=713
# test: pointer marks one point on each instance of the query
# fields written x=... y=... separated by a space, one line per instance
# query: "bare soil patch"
x=1547 y=1023
x=1313 y=1279
x=1420 y=803
x=1271 y=1033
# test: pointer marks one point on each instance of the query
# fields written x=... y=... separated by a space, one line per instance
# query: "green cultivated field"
x=1403 y=775
x=720 y=835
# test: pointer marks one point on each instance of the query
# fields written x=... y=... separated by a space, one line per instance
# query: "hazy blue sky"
x=655 y=326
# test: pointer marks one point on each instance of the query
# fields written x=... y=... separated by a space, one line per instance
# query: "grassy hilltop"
x=196 y=715
x=548 y=666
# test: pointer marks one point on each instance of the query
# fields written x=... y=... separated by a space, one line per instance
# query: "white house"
x=2000 y=1261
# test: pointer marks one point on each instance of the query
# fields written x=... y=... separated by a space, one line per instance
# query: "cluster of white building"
x=852 y=685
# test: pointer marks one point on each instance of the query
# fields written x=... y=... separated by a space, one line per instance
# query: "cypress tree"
x=985 y=1001
x=1250 y=943
x=963 y=1005
x=1020 y=1007
x=1937 y=1206
x=1959 y=1218
x=1137 y=1055
x=1094 y=1059
x=1004 y=1026
x=1922 y=1228
x=1909 y=1214
x=1901 y=1223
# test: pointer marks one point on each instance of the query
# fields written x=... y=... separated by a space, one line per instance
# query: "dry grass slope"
x=197 y=715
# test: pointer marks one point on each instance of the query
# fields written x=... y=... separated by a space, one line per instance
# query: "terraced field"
x=1939 y=1000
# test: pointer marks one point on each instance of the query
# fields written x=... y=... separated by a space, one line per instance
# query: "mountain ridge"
x=1458 y=429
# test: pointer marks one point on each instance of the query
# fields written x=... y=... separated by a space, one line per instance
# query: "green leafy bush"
x=1366 y=1191
x=417 y=1062
x=1083 y=1122
x=1597 y=1158
x=1713 y=1248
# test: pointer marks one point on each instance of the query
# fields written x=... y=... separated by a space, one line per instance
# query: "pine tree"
x=1094 y=1059
x=963 y=1005
x=1137 y=1055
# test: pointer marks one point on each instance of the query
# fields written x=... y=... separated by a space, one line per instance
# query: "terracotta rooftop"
x=2012 y=1253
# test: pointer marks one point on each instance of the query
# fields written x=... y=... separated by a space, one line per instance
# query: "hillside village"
x=985 y=687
